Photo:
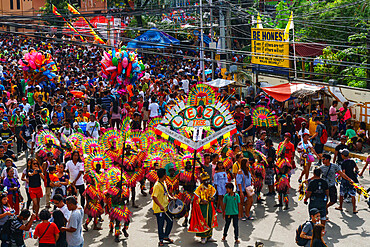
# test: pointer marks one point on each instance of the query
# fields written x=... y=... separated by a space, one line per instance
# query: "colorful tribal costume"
x=282 y=183
x=203 y=214
x=259 y=177
x=116 y=198
x=94 y=209
x=188 y=183
x=133 y=172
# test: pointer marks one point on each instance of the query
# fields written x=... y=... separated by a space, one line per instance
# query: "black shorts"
x=319 y=148
x=333 y=194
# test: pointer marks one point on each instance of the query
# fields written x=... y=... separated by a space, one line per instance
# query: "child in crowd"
x=220 y=180
x=231 y=209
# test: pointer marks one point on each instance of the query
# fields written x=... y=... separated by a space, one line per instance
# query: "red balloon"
x=128 y=70
x=119 y=68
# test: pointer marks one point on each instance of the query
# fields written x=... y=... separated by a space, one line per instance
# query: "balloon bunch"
x=37 y=66
x=120 y=65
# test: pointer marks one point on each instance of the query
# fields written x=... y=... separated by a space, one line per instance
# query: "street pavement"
x=272 y=226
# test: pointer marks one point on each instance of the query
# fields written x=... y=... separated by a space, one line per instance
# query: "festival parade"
x=184 y=123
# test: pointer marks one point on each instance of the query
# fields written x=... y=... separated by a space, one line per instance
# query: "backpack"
x=324 y=135
x=301 y=241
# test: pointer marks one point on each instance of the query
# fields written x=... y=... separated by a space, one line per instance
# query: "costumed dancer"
x=282 y=183
x=116 y=199
x=259 y=177
x=172 y=180
x=93 y=195
x=133 y=171
x=188 y=183
x=203 y=214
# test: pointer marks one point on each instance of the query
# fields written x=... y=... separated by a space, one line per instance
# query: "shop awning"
x=283 y=92
x=219 y=83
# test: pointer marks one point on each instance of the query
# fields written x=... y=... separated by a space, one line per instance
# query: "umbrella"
x=77 y=94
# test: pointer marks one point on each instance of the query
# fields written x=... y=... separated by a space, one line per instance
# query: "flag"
x=92 y=31
x=259 y=21
x=289 y=25
x=55 y=12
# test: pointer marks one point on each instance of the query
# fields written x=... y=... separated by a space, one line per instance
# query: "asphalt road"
x=272 y=226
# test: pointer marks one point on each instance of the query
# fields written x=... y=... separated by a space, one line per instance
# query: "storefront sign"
x=269 y=47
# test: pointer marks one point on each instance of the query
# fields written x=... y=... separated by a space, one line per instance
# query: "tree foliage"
x=47 y=12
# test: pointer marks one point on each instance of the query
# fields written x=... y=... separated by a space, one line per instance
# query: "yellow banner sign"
x=269 y=48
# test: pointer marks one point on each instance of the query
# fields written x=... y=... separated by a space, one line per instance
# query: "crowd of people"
x=50 y=127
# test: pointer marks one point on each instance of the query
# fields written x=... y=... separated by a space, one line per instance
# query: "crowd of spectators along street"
x=26 y=109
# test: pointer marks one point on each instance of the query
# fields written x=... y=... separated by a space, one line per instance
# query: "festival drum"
x=176 y=208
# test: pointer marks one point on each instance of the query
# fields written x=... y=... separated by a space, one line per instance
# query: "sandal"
x=355 y=212
x=237 y=241
x=160 y=243
x=338 y=208
x=168 y=240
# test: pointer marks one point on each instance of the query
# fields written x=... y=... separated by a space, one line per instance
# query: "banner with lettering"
x=269 y=47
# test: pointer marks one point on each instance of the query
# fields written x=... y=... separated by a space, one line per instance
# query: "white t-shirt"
x=300 y=133
x=154 y=110
x=5 y=175
x=74 y=170
x=306 y=146
x=65 y=212
x=93 y=129
x=185 y=85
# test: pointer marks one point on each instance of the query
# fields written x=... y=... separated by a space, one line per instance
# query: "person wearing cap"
x=306 y=149
x=160 y=197
x=329 y=171
x=308 y=226
x=349 y=167
x=287 y=148
x=26 y=106
x=203 y=198
x=58 y=201
x=318 y=193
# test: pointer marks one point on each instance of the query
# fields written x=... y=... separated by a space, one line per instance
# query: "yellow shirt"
x=161 y=195
x=205 y=193
x=81 y=119
x=312 y=127
x=236 y=167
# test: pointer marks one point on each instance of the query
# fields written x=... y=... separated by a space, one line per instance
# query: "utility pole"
x=202 y=42
x=213 y=43
x=222 y=35
x=228 y=38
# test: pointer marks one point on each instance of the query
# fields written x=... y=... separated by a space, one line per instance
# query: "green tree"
x=47 y=12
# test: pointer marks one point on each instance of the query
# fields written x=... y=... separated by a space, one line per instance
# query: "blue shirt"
x=243 y=180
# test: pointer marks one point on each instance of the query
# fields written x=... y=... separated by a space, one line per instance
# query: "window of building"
x=11 y=4
x=18 y=4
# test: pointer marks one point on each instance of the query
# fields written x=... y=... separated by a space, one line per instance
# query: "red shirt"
x=298 y=123
x=289 y=150
x=49 y=236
